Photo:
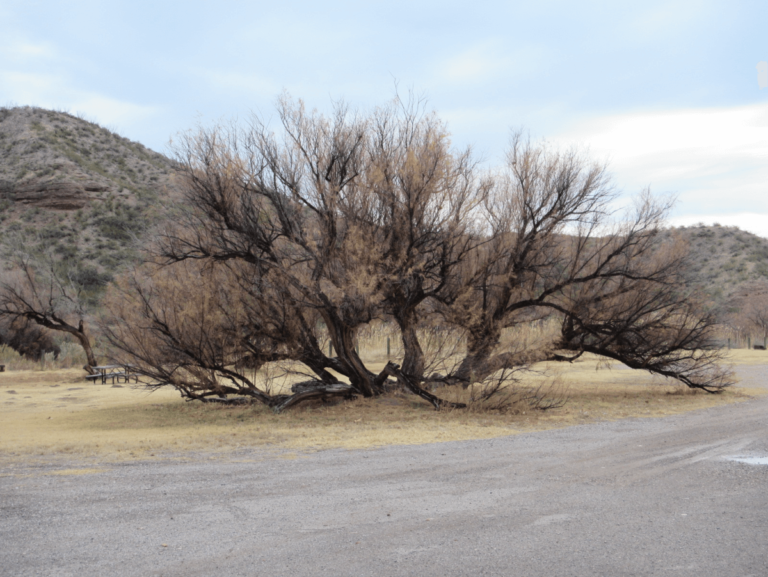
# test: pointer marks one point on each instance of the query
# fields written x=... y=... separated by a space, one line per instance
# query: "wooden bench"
x=114 y=372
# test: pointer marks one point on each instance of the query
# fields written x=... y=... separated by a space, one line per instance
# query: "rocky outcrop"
x=57 y=195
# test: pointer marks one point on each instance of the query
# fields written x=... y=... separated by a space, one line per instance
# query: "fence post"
x=729 y=343
x=330 y=349
x=387 y=348
x=749 y=342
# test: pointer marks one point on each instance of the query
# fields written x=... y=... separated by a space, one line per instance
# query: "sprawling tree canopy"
x=337 y=222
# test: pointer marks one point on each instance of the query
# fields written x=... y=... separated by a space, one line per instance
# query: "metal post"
x=330 y=349
x=749 y=342
x=729 y=343
x=387 y=348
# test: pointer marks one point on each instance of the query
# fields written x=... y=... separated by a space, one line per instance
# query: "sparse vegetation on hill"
x=42 y=147
x=723 y=259
x=76 y=188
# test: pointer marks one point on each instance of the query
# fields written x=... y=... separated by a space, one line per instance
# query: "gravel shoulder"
x=634 y=497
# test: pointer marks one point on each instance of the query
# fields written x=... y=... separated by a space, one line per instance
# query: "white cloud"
x=715 y=159
x=30 y=74
x=749 y=221
x=250 y=83
x=28 y=50
x=54 y=92
x=669 y=17
x=717 y=131
x=475 y=64
x=111 y=111
x=491 y=59
x=30 y=88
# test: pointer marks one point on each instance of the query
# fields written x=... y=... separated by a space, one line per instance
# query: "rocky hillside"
x=75 y=188
x=59 y=161
x=724 y=259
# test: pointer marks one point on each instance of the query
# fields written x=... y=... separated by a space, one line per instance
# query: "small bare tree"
x=42 y=292
x=750 y=309
x=342 y=221
x=757 y=314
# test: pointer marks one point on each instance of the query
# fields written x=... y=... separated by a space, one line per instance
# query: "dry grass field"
x=55 y=413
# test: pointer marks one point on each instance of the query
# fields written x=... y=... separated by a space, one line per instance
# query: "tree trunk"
x=86 y=344
x=81 y=336
x=413 y=359
x=480 y=362
x=343 y=339
x=474 y=366
x=320 y=391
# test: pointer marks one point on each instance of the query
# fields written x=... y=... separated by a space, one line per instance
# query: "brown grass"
x=747 y=357
x=50 y=413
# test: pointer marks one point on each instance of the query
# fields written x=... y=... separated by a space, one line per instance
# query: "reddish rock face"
x=57 y=195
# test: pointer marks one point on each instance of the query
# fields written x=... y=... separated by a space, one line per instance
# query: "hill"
x=725 y=260
x=78 y=189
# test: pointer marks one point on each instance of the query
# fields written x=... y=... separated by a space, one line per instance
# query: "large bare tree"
x=339 y=221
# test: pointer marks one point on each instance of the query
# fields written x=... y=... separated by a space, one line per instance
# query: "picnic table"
x=112 y=372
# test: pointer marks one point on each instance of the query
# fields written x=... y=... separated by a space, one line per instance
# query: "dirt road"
x=639 y=497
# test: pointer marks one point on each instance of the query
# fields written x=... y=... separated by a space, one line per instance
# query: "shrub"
x=89 y=278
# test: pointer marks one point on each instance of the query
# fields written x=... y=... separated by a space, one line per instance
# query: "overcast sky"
x=669 y=92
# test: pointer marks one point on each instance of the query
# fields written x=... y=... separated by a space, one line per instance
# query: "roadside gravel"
x=635 y=497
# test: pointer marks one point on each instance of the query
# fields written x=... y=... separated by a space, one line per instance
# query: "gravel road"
x=636 y=497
